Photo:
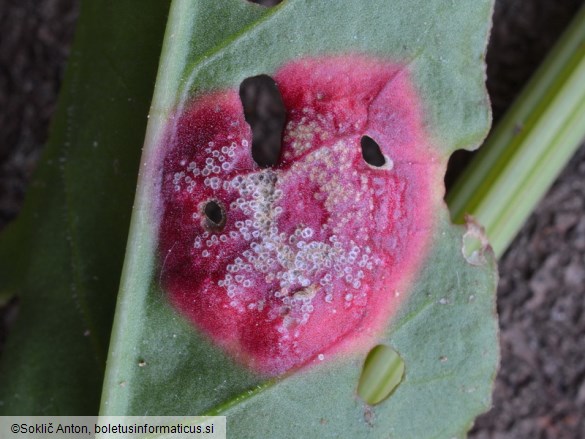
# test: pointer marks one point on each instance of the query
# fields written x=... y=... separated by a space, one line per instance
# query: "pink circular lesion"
x=313 y=250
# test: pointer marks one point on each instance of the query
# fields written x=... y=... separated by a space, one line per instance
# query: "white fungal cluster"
x=300 y=135
x=285 y=264
x=217 y=162
x=309 y=262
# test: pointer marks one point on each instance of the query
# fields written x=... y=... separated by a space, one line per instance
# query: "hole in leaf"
x=371 y=152
x=382 y=373
x=264 y=111
x=214 y=214
x=267 y=3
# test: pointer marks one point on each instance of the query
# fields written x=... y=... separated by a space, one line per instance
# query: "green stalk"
x=517 y=164
x=530 y=146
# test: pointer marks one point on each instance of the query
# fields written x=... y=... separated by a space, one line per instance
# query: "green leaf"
x=446 y=336
x=445 y=332
x=63 y=256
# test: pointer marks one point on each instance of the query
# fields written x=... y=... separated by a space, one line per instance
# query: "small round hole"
x=214 y=215
x=371 y=152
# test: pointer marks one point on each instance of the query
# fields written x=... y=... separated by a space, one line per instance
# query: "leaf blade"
x=178 y=354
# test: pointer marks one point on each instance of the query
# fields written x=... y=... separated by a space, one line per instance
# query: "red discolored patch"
x=306 y=258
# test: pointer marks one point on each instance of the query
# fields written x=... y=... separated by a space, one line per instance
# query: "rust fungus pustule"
x=300 y=260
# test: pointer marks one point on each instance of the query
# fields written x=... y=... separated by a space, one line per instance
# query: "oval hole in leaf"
x=383 y=371
x=264 y=111
x=214 y=214
x=371 y=152
x=267 y=3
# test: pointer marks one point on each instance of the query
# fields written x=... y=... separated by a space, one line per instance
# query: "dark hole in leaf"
x=264 y=111
x=215 y=214
x=267 y=3
x=371 y=152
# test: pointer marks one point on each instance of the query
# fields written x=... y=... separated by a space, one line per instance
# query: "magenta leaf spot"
x=285 y=266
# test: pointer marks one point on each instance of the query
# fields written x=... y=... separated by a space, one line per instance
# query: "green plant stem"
x=529 y=147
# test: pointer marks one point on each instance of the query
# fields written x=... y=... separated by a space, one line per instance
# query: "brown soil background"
x=540 y=390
